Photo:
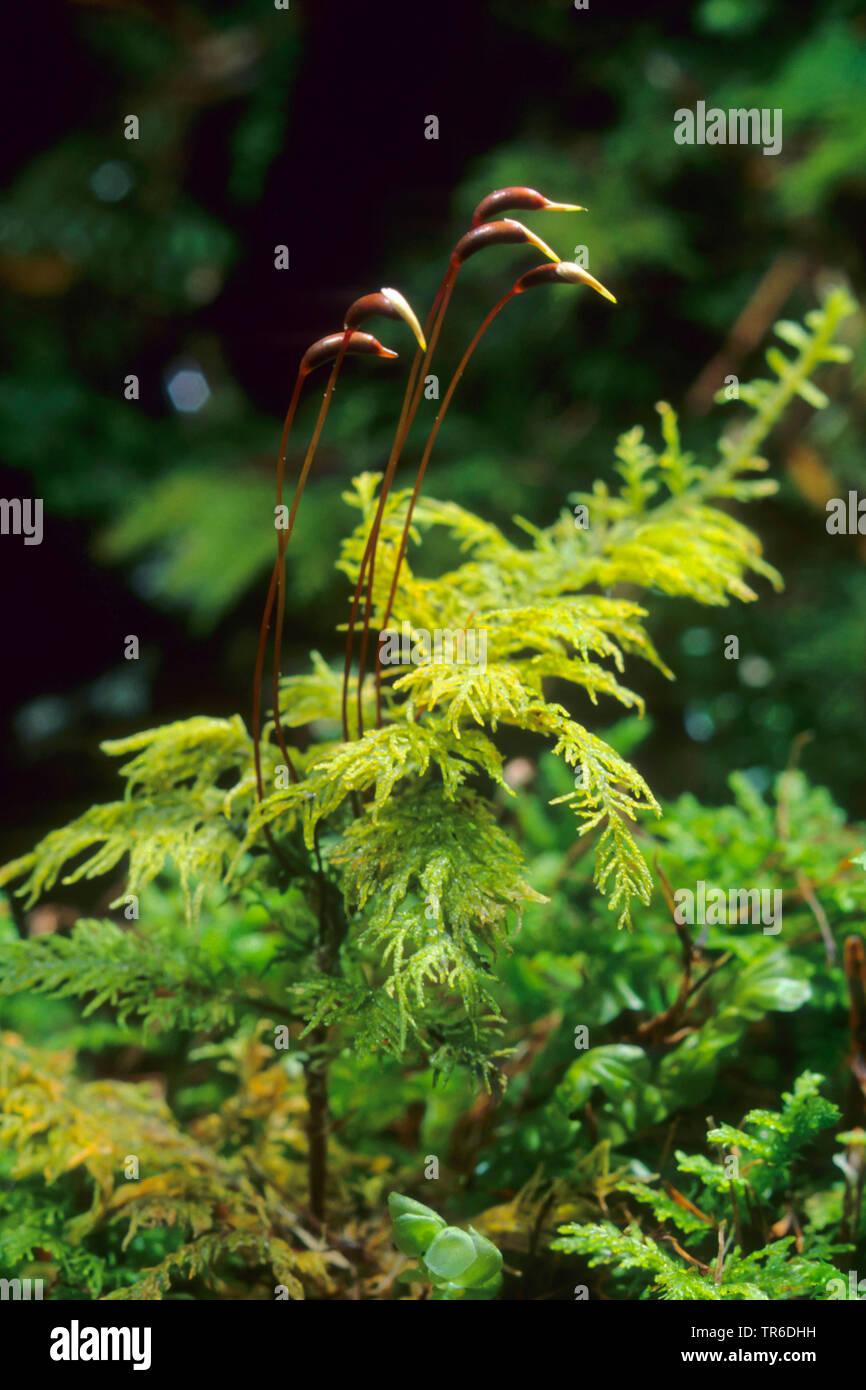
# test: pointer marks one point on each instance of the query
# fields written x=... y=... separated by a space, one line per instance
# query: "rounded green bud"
x=398 y=1205
x=487 y=1264
x=459 y=1264
x=451 y=1254
x=488 y=1290
x=415 y=1226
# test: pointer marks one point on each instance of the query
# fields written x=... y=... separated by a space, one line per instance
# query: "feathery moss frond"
x=182 y=828
x=434 y=881
x=392 y=811
x=159 y=975
x=195 y=752
x=791 y=1267
x=377 y=762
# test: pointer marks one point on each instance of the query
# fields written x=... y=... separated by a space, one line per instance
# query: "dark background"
x=262 y=127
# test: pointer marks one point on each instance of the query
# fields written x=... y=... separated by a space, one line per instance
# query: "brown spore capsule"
x=325 y=349
x=517 y=197
x=390 y=303
x=566 y=272
x=502 y=233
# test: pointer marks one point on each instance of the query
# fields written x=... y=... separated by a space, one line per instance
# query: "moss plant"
x=375 y=849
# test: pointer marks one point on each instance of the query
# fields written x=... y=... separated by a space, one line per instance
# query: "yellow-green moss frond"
x=696 y=552
x=179 y=828
x=451 y=852
x=610 y=793
x=317 y=697
x=221 y=1183
x=195 y=751
x=378 y=762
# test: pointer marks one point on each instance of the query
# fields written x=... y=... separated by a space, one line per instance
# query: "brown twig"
x=855 y=974
x=720 y=1258
x=749 y=330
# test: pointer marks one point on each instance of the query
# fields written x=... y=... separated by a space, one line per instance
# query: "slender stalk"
x=504 y=232
x=422 y=469
x=337 y=344
x=316 y=1087
x=560 y=271
x=269 y=602
x=411 y=401
x=283 y=541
